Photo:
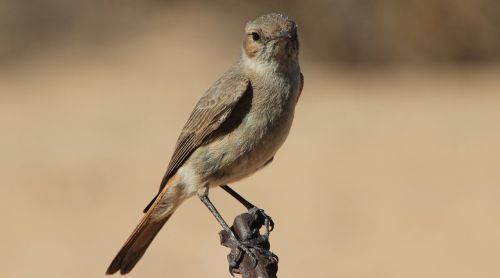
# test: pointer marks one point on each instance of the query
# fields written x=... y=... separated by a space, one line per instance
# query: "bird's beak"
x=285 y=35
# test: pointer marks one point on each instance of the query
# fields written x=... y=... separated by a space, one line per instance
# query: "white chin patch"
x=258 y=66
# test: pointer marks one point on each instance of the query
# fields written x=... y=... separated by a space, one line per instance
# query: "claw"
x=234 y=261
x=244 y=247
x=261 y=250
x=251 y=254
x=268 y=221
x=245 y=238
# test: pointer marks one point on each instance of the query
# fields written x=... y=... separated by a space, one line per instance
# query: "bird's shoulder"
x=211 y=111
x=227 y=89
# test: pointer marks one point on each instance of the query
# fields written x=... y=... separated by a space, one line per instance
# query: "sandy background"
x=391 y=172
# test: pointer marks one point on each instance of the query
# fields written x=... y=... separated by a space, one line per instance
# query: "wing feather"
x=210 y=112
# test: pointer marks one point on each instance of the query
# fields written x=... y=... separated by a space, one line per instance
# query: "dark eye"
x=255 y=36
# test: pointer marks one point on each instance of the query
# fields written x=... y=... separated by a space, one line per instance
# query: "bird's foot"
x=268 y=221
x=251 y=248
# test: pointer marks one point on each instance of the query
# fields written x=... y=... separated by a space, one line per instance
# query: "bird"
x=234 y=130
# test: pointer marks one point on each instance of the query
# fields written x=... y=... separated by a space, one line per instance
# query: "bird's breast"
x=255 y=140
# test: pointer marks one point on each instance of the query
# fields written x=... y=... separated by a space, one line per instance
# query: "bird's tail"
x=140 y=239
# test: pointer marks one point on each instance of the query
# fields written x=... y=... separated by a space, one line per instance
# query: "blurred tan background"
x=392 y=168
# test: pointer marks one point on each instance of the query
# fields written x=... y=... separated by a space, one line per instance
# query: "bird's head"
x=271 y=38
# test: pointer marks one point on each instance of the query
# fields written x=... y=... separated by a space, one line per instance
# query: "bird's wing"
x=214 y=107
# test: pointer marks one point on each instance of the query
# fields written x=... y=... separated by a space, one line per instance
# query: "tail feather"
x=150 y=204
x=136 y=245
x=134 y=248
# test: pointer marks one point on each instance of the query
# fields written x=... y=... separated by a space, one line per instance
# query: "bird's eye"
x=255 y=36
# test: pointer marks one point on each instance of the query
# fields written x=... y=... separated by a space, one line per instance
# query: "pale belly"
x=251 y=145
x=242 y=152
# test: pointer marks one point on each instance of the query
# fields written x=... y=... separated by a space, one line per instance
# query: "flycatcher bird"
x=234 y=130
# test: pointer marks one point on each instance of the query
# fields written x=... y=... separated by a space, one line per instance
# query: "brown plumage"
x=142 y=236
x=210 y=112
x=234 y=130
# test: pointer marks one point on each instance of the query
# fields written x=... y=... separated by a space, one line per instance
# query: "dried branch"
x=247 y=227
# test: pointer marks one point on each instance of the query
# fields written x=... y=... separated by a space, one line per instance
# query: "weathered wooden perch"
x=247 y=227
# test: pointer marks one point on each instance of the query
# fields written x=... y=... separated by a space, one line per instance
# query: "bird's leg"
x=268 y=221
x=244 y=246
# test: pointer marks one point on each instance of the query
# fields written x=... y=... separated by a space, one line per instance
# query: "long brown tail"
x=145 y=232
